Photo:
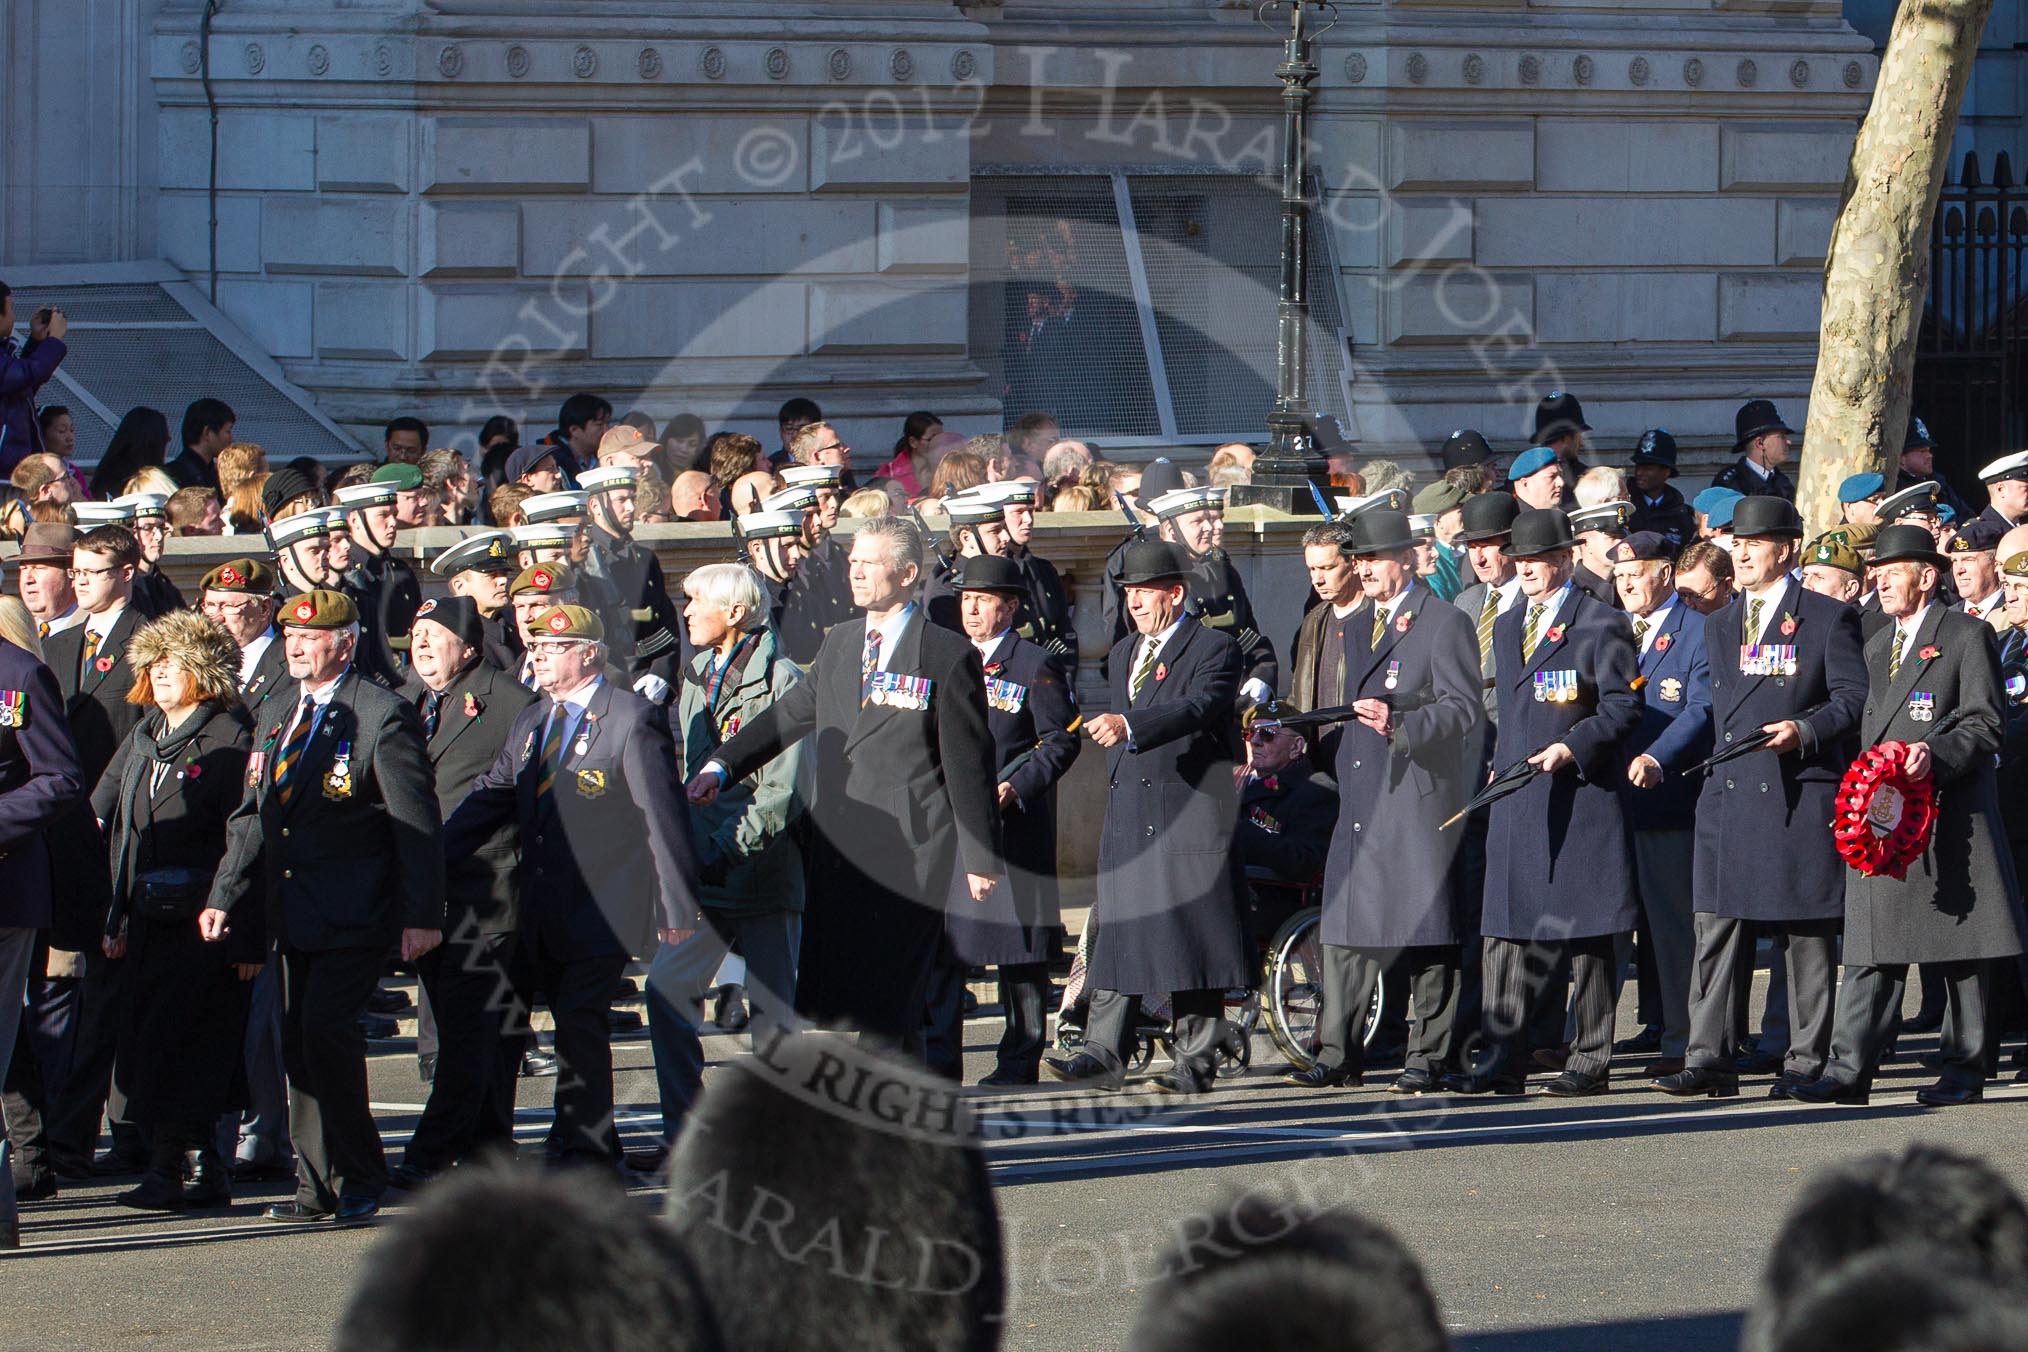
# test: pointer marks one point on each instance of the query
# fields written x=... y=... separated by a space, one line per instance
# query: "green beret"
x=1439 y=497
x=320 y=609
x=402 y=475
x=240 y=575
x=569 y=622
x=1834 y=550
x=542 y=578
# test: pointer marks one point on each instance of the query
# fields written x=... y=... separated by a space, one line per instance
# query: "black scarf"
x=166 y=747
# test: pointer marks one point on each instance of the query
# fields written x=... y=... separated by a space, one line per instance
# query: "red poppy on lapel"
x=1928 y=652
x=1401 y=621
x=1161 y=671
x=192 y=770
x=1788 y=625
x=993 y=668
x=104 y=664
x=1555 y=634
x=471 y=705
x=1662 y=642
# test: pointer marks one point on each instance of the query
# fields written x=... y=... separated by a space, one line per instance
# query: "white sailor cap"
x=354 y=497
x=1610 y=517
x=1008 y=492
x=769 y=524
x=553 y=506
x=90 y=514
x=1187 y=500
x=543 y=535
x=604 y=479
x=301 y=526
x=488 y=551
x=795 y=498
x=1422 y=527
x=2007 y=467
x=1386 y=500
x=139 y=505
x=1919 y=497
x=970 y=509
x=814 y=476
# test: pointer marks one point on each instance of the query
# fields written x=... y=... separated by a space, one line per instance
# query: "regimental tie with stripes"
x=292 y=750
x=550 y=759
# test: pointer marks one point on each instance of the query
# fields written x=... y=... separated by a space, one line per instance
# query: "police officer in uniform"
x=1658 y=507
x=1559 y=879
x=1560 y=427
x=1031 y=712
x=1188 y=519
x=481 y=568
x=1406 y=764
x=1934 y=685
x=1918 y=466
x=382 y=587
x=1761 y=441
x=338 y=839
x=647 y=637
x=1786 y=661
x=1169 y=886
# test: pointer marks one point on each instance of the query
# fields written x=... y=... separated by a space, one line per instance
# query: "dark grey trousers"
x=1346 y=992
x=1199 y=1022
x=1721 y=980
x=1519 y=973
x=1869 y=1013
x=1662 y=875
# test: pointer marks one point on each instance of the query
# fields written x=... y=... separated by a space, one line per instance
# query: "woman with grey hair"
x=750 y=871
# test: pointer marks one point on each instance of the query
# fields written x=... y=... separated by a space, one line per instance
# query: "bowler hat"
x=1487 y=516
x=1465 y=447
x=1907 y=544
x=1656 y=447
x=1559 y=414
x=1539 y=530
x=459 y=614
x=1148 y=561
x=1755 y=418
x=1757 y=517
x=1380 y=532
x=989 y=572
x=47 y=542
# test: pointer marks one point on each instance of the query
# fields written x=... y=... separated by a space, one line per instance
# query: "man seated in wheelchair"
x=1286 y=812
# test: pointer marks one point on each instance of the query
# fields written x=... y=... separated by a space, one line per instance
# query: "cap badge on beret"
x=542 y=577
x=229 y=576
x=428 y=607
x=559 y=622
x=306 y=610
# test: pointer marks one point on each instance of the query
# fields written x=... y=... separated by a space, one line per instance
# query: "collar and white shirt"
x=1907 y=628
x=1384 y=611
x=1760 y=470
x=1552 y=606
x=320 y=696
x=102 y=622
x=574 y=706
x=1509 y=592
x=986 y=648
x=1988 y=608
x=1768 y=596
x=1653 y=624
x=70 y=619
x=250 y=656
x=890 y=631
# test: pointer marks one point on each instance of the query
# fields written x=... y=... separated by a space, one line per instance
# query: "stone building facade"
x=456 y=207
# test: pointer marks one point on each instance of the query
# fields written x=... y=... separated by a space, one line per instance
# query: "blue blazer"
x=39 y=782
x=1675 y=726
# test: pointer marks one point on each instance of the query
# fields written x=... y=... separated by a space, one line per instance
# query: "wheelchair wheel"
x=1292 y=1000
x=1143 y=1053
x=1235 y=1052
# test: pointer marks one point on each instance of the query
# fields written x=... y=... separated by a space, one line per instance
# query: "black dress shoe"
x=378 y=1027
x=1576 y=1084
x=1551 y=1058
x=261 y=1171
x=295 y=1213
x=1179 y=1082
x=646 y=1161
x=730 y=1012
x=1008 y=1077
x=1699 y=1081
x=118 y=1163
x=1086 y=1071
x=1824 y=1089
x=537 y=1065
x=70 y=1169
x=1923 y=1022
x=1321 y=1076
x=1946 y=1095
x=426 y=1068
x=412 y=1177
x=1784 y=1085
x=39 y=1186
x=1415 y=1080
x=1644 y=1043
x=388 y=1002
x=156 y=1193
x=1500 y=1086
x=1758 y=1062
x=356 y=1210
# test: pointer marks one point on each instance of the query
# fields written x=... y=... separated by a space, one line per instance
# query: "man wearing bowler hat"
x=1658 y=506
x=1560 y=426
x=1407 y=762
x=1934 y=685
x=1170 y=885
x=1559 y=880
x=1785 y=661
x=1761 y=440
x=1485 y=523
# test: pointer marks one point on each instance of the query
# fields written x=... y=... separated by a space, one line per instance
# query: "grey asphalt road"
x=1628 y=1220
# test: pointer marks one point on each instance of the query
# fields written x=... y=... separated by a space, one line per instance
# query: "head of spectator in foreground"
x=1957 y=1214
x=1896 y=1301
x=825 y=1147
x=1275 y=1275
x=456 y=1274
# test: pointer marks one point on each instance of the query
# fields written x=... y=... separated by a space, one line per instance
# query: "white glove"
x=652 y=688
x=1255 y=691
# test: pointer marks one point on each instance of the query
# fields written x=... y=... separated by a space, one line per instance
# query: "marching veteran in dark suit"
x=1659 y=799
x=337 y=838
x=468 y=709
x=39 y=783
x=1405 y=765
x=1030 y=711
x=586 y=776
x=165 y=800
x=1933 y=685
x=1783 y=660
x=1559 y=878
x=904 y=794
x=1169 y=882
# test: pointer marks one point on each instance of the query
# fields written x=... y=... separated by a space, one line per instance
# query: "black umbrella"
x=1510 y=780
x=1007 y=770
x=1335 y=713
x=1753 y=742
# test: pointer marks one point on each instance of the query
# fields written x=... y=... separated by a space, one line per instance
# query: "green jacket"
x=750 y=822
